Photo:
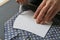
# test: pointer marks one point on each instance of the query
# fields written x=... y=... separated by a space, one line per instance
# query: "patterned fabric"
x=17 y=34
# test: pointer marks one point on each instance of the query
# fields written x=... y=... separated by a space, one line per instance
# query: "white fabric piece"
x=26 y=22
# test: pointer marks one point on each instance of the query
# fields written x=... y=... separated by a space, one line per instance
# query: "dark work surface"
x=6 y=11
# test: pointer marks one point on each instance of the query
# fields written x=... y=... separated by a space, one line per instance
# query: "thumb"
x=17 y=1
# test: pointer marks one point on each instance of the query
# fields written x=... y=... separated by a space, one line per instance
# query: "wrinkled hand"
x=22 y=1
x=46 y=11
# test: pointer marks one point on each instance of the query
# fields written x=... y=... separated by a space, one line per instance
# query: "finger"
x=26 y=1
x=53 y=15
x=39 y=8
x=50 y=11
x=17 y=1
x=42 y=22
x=47 y=20
x=22 y=1
x=43 y=12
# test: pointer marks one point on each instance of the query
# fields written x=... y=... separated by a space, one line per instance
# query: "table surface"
x=6 y=12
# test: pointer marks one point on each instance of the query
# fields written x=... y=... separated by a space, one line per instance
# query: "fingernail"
x=37 y=22
x=42 y=22
x=46 y=22
x=33 y=17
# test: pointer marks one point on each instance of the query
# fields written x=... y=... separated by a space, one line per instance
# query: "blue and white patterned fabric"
x=17 y=34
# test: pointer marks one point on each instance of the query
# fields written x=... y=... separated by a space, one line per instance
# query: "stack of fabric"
x=18 y=34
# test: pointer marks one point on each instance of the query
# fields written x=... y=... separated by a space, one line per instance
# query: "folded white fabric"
x=26 y=22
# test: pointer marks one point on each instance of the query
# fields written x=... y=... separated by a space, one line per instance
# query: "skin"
x=46 y=10
x=22 y=1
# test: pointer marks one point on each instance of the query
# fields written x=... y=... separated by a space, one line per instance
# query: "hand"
x=22 y=1
x=46 y=11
